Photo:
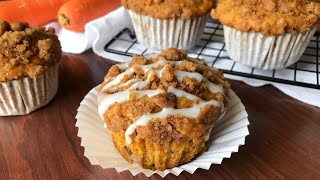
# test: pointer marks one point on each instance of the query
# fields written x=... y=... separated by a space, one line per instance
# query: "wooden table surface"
x=284 y=140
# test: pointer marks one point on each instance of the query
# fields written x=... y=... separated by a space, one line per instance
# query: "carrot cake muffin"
x=28 y=67
x=168 y=24
x=268 y=34
x=160 y=109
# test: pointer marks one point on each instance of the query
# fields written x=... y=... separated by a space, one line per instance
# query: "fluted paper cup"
x=227 y=135
x=265 y=52
x=20 y=97
x=161 y=34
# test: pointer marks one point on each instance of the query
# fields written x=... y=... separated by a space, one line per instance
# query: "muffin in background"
x=270 y=34
x=168 y=24
x=160 y=109
x=29 y=60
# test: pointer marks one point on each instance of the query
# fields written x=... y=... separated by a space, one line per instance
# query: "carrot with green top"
x=74 y=14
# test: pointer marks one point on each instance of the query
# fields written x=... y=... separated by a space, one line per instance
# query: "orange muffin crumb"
x=177 y=138
x=25 y=51
x=169 y=9
x=270 y=17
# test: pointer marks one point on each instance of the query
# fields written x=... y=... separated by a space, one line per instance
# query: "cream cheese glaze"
x=192 y=112
x=136 y=85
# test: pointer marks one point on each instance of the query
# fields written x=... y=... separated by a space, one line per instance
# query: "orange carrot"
x=74 y=14
x=35 y=12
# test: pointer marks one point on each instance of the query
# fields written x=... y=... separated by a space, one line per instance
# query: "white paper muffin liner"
x=161 y=34
x=227 y=135
x=265 y=52
x=20 y=97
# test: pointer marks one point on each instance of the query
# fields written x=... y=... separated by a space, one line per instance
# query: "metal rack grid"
x=211 y=47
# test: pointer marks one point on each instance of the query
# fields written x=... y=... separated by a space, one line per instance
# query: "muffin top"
x=169 y=9
x=155 y=97
x=270 y=17
x=25 y=51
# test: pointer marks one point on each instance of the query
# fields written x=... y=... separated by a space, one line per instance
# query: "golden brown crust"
x=26 y=52
x=181 y=141
x=169 y=9
x=270 y=17
x=176 y=139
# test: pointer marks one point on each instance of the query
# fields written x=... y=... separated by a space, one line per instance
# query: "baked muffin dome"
x=270 y=17
x=25 y=51
x=29 y=67
x=160 y=109
x=169 y=9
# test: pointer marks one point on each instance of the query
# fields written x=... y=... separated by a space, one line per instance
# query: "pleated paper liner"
x=266 y=52
x=161 y=34
x=23 y=96
x=227 y=135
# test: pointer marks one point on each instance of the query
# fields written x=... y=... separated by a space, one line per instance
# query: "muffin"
x=160 y=109
x=28 y=67
x=168 y=24
x=269 y=34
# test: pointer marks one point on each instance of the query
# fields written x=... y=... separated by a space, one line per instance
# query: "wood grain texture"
x=284 y=140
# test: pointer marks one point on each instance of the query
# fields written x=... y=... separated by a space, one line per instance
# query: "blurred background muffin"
x=160 y=110
x=268 y=34
x=162 y=24
x=29 y=60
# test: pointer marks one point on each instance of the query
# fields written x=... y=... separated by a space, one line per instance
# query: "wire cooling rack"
x=211 y=47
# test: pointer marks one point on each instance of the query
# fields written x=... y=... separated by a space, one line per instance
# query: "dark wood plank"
x=284 y=140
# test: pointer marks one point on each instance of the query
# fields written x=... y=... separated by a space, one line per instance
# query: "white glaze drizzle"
x=118 y=79
x=182 y=74
x=142 y=84
x=153 y=66
x=180 y=93
x=131 y=81
x=192 y=112
x=139 y=85
x=212 y=87
x=134 y=80
x=123 y=66
x=130 y=72
x=106 y=100
x=150 y=56
x=195 y=60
